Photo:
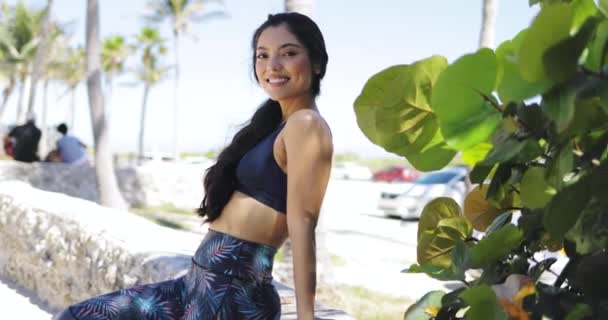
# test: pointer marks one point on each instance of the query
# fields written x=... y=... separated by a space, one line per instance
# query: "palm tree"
x=19 y=40
x=150 y=73
x=114 y=53
x=41 y=52
x=72 y=71
x=486 y=36
x=107 y=186
x=52 y=70
x=8 y=73
x=300 y=6
x=181 y=13
x=7 y=68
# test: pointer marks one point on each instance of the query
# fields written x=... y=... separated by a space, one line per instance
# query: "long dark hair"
x=220 y=179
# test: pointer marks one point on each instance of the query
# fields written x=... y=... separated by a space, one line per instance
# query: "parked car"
x=410 y=202
x=396 y=174
x=350 y=170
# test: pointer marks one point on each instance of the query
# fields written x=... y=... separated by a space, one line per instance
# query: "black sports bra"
x=260 y=177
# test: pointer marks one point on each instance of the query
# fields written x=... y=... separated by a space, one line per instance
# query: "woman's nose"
x=275 y=64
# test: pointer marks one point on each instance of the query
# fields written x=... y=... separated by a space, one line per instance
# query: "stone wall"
x=151 y=184
x=67 y=249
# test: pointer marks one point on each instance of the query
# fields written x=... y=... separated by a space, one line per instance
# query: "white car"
x=409 y=203
x=350 y=170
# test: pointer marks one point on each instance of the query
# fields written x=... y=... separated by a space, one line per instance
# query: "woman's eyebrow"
x=289 y=44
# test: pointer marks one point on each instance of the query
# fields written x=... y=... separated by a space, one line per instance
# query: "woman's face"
x=282 y=65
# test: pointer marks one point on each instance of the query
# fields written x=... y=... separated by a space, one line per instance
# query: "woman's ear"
x=316 y=69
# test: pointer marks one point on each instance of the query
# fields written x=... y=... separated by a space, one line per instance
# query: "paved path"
x=371 y=249
x=19 y=303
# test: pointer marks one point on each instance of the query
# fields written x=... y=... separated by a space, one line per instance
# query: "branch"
x=490 y=101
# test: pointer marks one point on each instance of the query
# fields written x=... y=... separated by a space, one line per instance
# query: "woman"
x=266 y=186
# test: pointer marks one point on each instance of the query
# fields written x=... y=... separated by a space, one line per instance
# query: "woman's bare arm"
x=309 y=153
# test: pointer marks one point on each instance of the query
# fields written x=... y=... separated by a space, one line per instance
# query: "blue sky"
x=218 y=92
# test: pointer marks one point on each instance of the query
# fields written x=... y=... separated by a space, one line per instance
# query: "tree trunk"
x=40 y=58
x=6 y=94
x=72 y=111
x=108 y=95
x=43 y=145
x=109 y=194
x=300 y=6
x=486 y=36
x=176 y=99
x=20 y=116
x=142 y=125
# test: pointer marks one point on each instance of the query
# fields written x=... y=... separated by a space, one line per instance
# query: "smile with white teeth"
x=277 y=80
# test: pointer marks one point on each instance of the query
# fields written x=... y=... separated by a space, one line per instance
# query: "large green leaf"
x=535 y=192
x=603 y=6
x=597 y=48
x=583 y=9
x=475 y=154
x=461 y=259
x=550 y=26
x=496 y=245
x=435 y=246
x=504 y=152
x=435 y=211
x=483 y=302
x=420 y=309
x=565 y=208
x=589 y=116
x=559 y=106
x=559 y=166
x=561 y=60
x=393 y=109
x=460 y=100
x=512 y=87
x=434 y=156
x=441 y=273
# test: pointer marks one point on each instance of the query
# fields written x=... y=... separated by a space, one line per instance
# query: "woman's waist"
x=245 y=218
x=231 y=256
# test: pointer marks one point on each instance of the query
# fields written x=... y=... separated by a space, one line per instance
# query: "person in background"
x=24 y=140
x=69 y=148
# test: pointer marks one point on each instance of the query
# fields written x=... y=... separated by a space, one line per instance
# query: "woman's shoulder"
x=308 y=128
x=308 y=121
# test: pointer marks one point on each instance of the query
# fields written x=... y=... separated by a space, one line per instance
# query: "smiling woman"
x=254 y=198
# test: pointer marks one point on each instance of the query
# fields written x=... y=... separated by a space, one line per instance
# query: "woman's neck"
x=288 y=107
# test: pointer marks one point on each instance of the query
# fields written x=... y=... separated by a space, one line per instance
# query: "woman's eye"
x=261 y=56
x=290 y=53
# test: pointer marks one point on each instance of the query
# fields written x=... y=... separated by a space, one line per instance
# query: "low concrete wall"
x=67 y=249
x=154 y=183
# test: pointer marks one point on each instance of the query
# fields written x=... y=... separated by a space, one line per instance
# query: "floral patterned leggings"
x=230 y=279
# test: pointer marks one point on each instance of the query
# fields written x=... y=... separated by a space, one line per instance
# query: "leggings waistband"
x=231 y=256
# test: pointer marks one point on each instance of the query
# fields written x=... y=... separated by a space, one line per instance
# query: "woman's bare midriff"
x=246 y=218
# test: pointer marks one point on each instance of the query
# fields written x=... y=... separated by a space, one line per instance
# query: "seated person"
x=69 y=148
x=25 y=139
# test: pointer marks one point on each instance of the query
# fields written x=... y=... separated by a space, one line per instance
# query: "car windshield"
x=436 y=178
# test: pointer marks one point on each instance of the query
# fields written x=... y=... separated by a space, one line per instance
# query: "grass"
x=165 y=222
x=154 y=214
x=337 y=261
x=362 y=303
x=163 y=208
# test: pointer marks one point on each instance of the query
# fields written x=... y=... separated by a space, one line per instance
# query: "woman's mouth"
x=278 y=81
